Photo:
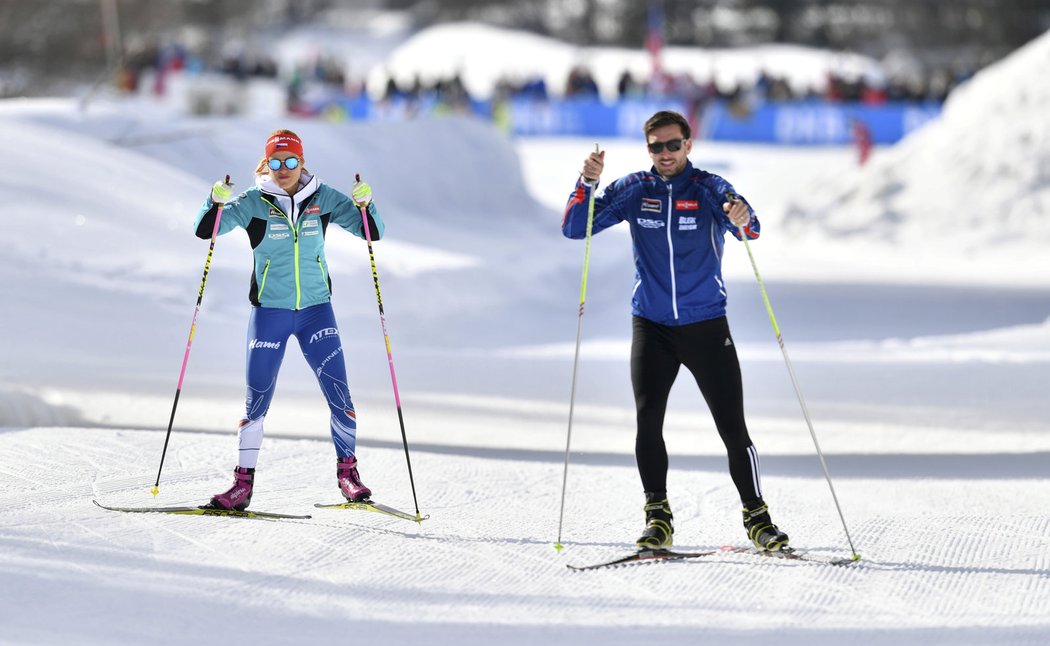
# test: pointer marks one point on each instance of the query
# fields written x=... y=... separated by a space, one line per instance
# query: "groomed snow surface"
x=949 y=556
x=924 y=368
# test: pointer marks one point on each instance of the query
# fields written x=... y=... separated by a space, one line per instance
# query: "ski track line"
x=488 y=551
x=949 y=581
x=1043 y=555
x=302 y=556
x=58 y=484
x=201 y=544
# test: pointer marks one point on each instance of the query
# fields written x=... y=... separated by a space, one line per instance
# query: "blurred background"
x=898 y=153
x=860 y=71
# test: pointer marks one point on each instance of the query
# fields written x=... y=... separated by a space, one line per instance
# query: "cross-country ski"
x=203 y=511
x=368 y=505
x=527 y=324
x=642 y=556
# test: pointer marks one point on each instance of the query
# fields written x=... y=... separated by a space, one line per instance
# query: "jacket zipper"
x=262 y=285
x=670 y=248
x=324 y=276
x=295 y=245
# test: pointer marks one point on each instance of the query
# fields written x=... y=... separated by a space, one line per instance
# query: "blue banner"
x=584 y=117
x=790 y=123
x=815 y=122
x=795 y=123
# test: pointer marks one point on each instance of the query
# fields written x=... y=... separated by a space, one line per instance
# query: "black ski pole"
x=189 y=344
x=389 y=354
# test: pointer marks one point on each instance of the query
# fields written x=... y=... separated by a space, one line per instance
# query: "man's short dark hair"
x=667 y=118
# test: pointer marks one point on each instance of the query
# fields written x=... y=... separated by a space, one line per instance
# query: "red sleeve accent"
x=577 y=198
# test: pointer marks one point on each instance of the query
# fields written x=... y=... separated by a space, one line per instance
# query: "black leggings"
x=707 y=350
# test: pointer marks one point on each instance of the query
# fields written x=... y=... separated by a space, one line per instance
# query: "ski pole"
x=576 y=356
x=732 y=197
x=389 y=354
x=189 y=344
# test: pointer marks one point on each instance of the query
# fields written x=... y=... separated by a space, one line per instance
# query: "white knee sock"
x=250 y=436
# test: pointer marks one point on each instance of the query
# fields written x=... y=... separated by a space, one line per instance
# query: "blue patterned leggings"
x=269 y=330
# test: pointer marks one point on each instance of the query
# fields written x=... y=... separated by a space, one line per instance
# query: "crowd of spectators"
x=769 y=87
x=159 y=61
x=451 y=94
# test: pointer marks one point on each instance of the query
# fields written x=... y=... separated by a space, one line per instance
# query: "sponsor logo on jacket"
x=687 y=205
x=686 y=222
x=651 y=205
x=312 y=209
x=276 y=226
x=650 y=223
x=279 y=236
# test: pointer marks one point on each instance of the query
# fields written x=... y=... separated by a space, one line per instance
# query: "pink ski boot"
x=239 y=495
x=350 y=481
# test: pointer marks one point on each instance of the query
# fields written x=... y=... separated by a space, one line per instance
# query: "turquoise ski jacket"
x=287 y=235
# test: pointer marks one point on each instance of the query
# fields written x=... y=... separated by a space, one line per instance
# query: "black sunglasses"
x=674 y=146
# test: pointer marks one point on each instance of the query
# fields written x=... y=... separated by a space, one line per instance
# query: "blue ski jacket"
x=678 y=232
x=287 y=235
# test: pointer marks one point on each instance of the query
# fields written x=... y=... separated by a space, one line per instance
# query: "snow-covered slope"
x=483 y=55
x=483 y=568
x=927 y=392
x=972 y=186
x=111 y=230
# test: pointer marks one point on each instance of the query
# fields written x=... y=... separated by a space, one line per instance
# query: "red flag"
x=654 y=37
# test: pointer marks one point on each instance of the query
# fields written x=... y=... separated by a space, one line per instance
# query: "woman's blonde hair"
x=263 y=168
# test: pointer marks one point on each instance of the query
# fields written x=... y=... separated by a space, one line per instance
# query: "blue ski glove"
x=362 y=193
x=221 y=191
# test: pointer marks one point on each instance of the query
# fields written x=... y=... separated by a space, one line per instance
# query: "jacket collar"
x=679 y=181
x=308 y=185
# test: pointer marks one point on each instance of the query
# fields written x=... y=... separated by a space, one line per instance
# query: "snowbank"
x=972 y=187
x=484 y=55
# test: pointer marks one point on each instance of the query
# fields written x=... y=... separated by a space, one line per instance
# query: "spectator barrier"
x=811 y=122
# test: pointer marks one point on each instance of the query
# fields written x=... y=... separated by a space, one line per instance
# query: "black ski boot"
x=760 y=528
x=658 y=525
